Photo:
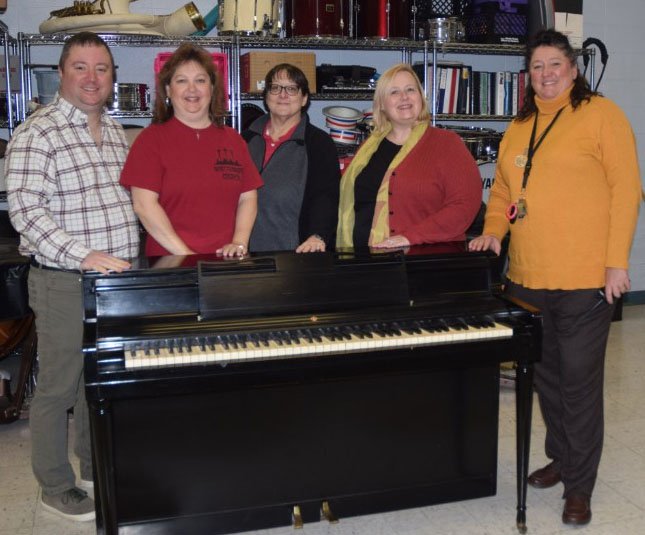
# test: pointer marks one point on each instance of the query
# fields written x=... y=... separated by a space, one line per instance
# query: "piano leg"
x=105 y=492
x=523 y=409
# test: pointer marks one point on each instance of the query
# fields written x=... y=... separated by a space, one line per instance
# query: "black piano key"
x=396 y=328
x=366 y=330
x=286 y=338
x=276 y=338
x=408 y=328
x=346 y=332
x=488 y=321
x=293 y=337
x=306 y=335
x=254 y=339
x=221 y=340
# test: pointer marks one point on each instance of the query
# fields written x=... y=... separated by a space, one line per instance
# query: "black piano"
x=233 y=395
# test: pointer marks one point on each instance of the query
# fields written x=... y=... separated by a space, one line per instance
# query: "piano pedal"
x=326 y=513
x=296 y=518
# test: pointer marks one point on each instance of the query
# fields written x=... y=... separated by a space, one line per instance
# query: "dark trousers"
x=569 y=379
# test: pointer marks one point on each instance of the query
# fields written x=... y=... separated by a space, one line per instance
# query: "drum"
x=384 y=19
x=445 y=30
x=482 y=143
x=321 y=18
x=250 y=17
x=130 y=97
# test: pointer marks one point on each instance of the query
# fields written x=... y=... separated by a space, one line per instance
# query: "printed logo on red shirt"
x=227 y=165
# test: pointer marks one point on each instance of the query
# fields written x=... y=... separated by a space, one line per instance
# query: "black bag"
x=14 y=295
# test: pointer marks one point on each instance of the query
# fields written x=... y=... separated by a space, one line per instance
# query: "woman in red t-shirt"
x=192 y=180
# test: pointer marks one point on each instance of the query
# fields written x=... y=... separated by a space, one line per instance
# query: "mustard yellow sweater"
x=583 y=196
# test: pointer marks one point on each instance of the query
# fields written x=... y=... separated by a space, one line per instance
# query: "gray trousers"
x=569 y=379
x=56 y=299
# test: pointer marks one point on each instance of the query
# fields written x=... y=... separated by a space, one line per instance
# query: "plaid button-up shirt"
x=63 y=190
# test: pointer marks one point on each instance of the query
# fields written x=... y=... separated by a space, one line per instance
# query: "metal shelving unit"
x=231 y=45
x=9 y=48
x=27 y=41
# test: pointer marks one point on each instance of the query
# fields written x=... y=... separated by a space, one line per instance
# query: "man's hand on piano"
x=313 y=244
x=484 y=243
x=103 y=262
x=232 y=250
x=393 y=242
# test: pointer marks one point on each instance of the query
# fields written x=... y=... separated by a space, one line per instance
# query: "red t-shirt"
x=199 y=175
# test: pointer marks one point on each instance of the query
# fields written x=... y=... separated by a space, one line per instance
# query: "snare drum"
x=384 y=19
x=483 y=143
x=321 y=18
x=250 y=17
x=130 y=97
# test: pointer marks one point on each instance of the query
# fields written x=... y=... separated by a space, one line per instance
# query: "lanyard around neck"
x=533 y=147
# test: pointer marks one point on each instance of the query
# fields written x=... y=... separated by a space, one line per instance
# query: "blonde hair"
x=381 y=121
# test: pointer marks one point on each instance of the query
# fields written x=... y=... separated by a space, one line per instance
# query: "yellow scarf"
x=380 y=224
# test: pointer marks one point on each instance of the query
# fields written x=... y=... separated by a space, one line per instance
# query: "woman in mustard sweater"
x=568 y=188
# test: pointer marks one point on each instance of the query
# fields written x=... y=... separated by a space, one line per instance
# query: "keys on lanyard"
x=516 y=210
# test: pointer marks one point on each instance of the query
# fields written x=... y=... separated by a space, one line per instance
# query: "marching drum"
x=320 y=18
x=384 y=19
x=130 y=97
x=483 y=143
x=246 y=17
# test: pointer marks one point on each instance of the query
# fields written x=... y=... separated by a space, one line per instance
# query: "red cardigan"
x=436 y=191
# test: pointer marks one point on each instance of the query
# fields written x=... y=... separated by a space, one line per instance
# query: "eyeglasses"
x=291 y=90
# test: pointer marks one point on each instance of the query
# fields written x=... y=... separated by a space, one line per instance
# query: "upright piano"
x=233 y=395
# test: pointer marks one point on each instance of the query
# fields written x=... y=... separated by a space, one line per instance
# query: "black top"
x=366 y=187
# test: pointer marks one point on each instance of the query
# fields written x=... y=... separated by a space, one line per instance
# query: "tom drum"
x=384 y=19
x=321 y=18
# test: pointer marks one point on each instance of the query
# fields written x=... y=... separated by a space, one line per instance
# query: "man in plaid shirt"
x=62 y=170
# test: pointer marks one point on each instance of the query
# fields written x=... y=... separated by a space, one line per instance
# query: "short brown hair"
x=294 y=74
x=85 y=39
x=185 y=53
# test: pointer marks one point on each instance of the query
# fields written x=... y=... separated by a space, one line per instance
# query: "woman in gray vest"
x=298 y=204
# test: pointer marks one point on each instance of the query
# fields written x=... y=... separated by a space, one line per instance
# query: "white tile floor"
x=618 y=502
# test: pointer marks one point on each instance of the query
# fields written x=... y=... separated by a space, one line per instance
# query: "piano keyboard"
x=290 y=343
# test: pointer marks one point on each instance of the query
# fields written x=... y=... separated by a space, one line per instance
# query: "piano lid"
x=213 y=287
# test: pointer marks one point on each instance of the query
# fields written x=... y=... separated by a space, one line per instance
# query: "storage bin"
x=497 y=22
x=47 y=82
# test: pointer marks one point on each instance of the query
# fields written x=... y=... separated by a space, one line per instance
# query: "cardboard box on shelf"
x=14 y=67
x=568 y=20
x=255 y=65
